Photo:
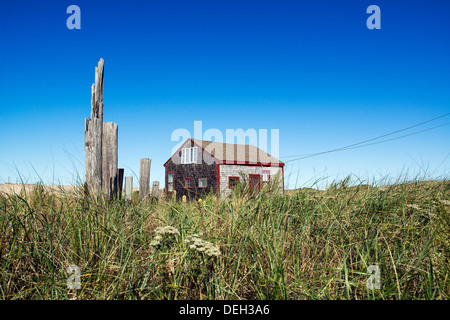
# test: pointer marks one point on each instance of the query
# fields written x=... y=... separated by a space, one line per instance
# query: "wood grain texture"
x=128 y=188
x=109 y=159
x=155 y=189
x=93 y=155
x=97 y=92
x=144 y=178
x=93 y=135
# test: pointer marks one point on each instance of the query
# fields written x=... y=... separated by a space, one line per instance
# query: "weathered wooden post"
x=155 y=189
x=109 y=159
x=144 y=178
x=120 y=172
x=128 y=188
x=93 y=131
x=101 y=144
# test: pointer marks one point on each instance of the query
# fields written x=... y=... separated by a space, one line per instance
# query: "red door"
x=255 y=180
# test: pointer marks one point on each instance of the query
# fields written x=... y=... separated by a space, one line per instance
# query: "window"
x=184 y=156
x=170 y=182
x=188 y=183
x=233 y=182
x=265 y=176
x=189 y=155
x=202 y=183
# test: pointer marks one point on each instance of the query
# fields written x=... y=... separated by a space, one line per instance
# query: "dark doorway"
x=255 y=180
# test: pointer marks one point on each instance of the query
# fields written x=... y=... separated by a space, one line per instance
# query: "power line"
x=406 y=135
x=369 y=144
x=358 y=144
x=414 y=133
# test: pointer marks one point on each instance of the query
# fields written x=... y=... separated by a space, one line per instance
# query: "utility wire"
x=406 y=135
x=296 y=171
x=358 y=145
x=354 y=145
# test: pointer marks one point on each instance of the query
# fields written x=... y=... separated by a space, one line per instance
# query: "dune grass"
x=307 y=244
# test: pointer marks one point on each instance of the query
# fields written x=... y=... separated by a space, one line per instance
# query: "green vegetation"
x=307 y=244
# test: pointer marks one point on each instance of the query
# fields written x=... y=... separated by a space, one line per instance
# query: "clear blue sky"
x=311 y=69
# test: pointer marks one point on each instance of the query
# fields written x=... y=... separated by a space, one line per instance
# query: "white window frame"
x=189 y=155
x=170 y=183
x=265 y=175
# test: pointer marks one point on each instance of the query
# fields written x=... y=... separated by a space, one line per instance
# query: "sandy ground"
x=16 y=188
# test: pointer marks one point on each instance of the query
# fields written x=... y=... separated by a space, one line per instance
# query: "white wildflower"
x=213 y=251
x=161 y=232
x=154 y=243
x=167 y=230
x=157 y=237
x=202 y=245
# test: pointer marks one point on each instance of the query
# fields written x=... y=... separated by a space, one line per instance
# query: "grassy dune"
x=307 y=244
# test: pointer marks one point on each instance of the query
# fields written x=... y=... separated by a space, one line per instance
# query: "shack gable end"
x=204 y=168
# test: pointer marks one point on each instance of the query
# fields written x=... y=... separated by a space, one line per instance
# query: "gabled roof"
x=236 y=153
x=240 y=153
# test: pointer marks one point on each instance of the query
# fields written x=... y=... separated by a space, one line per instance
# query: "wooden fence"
x=103 y=177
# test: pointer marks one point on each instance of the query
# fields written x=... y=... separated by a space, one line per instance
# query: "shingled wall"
x=204 y=168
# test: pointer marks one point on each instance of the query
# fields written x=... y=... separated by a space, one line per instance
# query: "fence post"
x=144 y=178
x=155 y=189
x=128 y=188
x=120 y=172
x=109 y=159
x=93 y=131
x=93 y=155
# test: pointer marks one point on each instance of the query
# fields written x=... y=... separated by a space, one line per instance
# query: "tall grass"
x=307 y=244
